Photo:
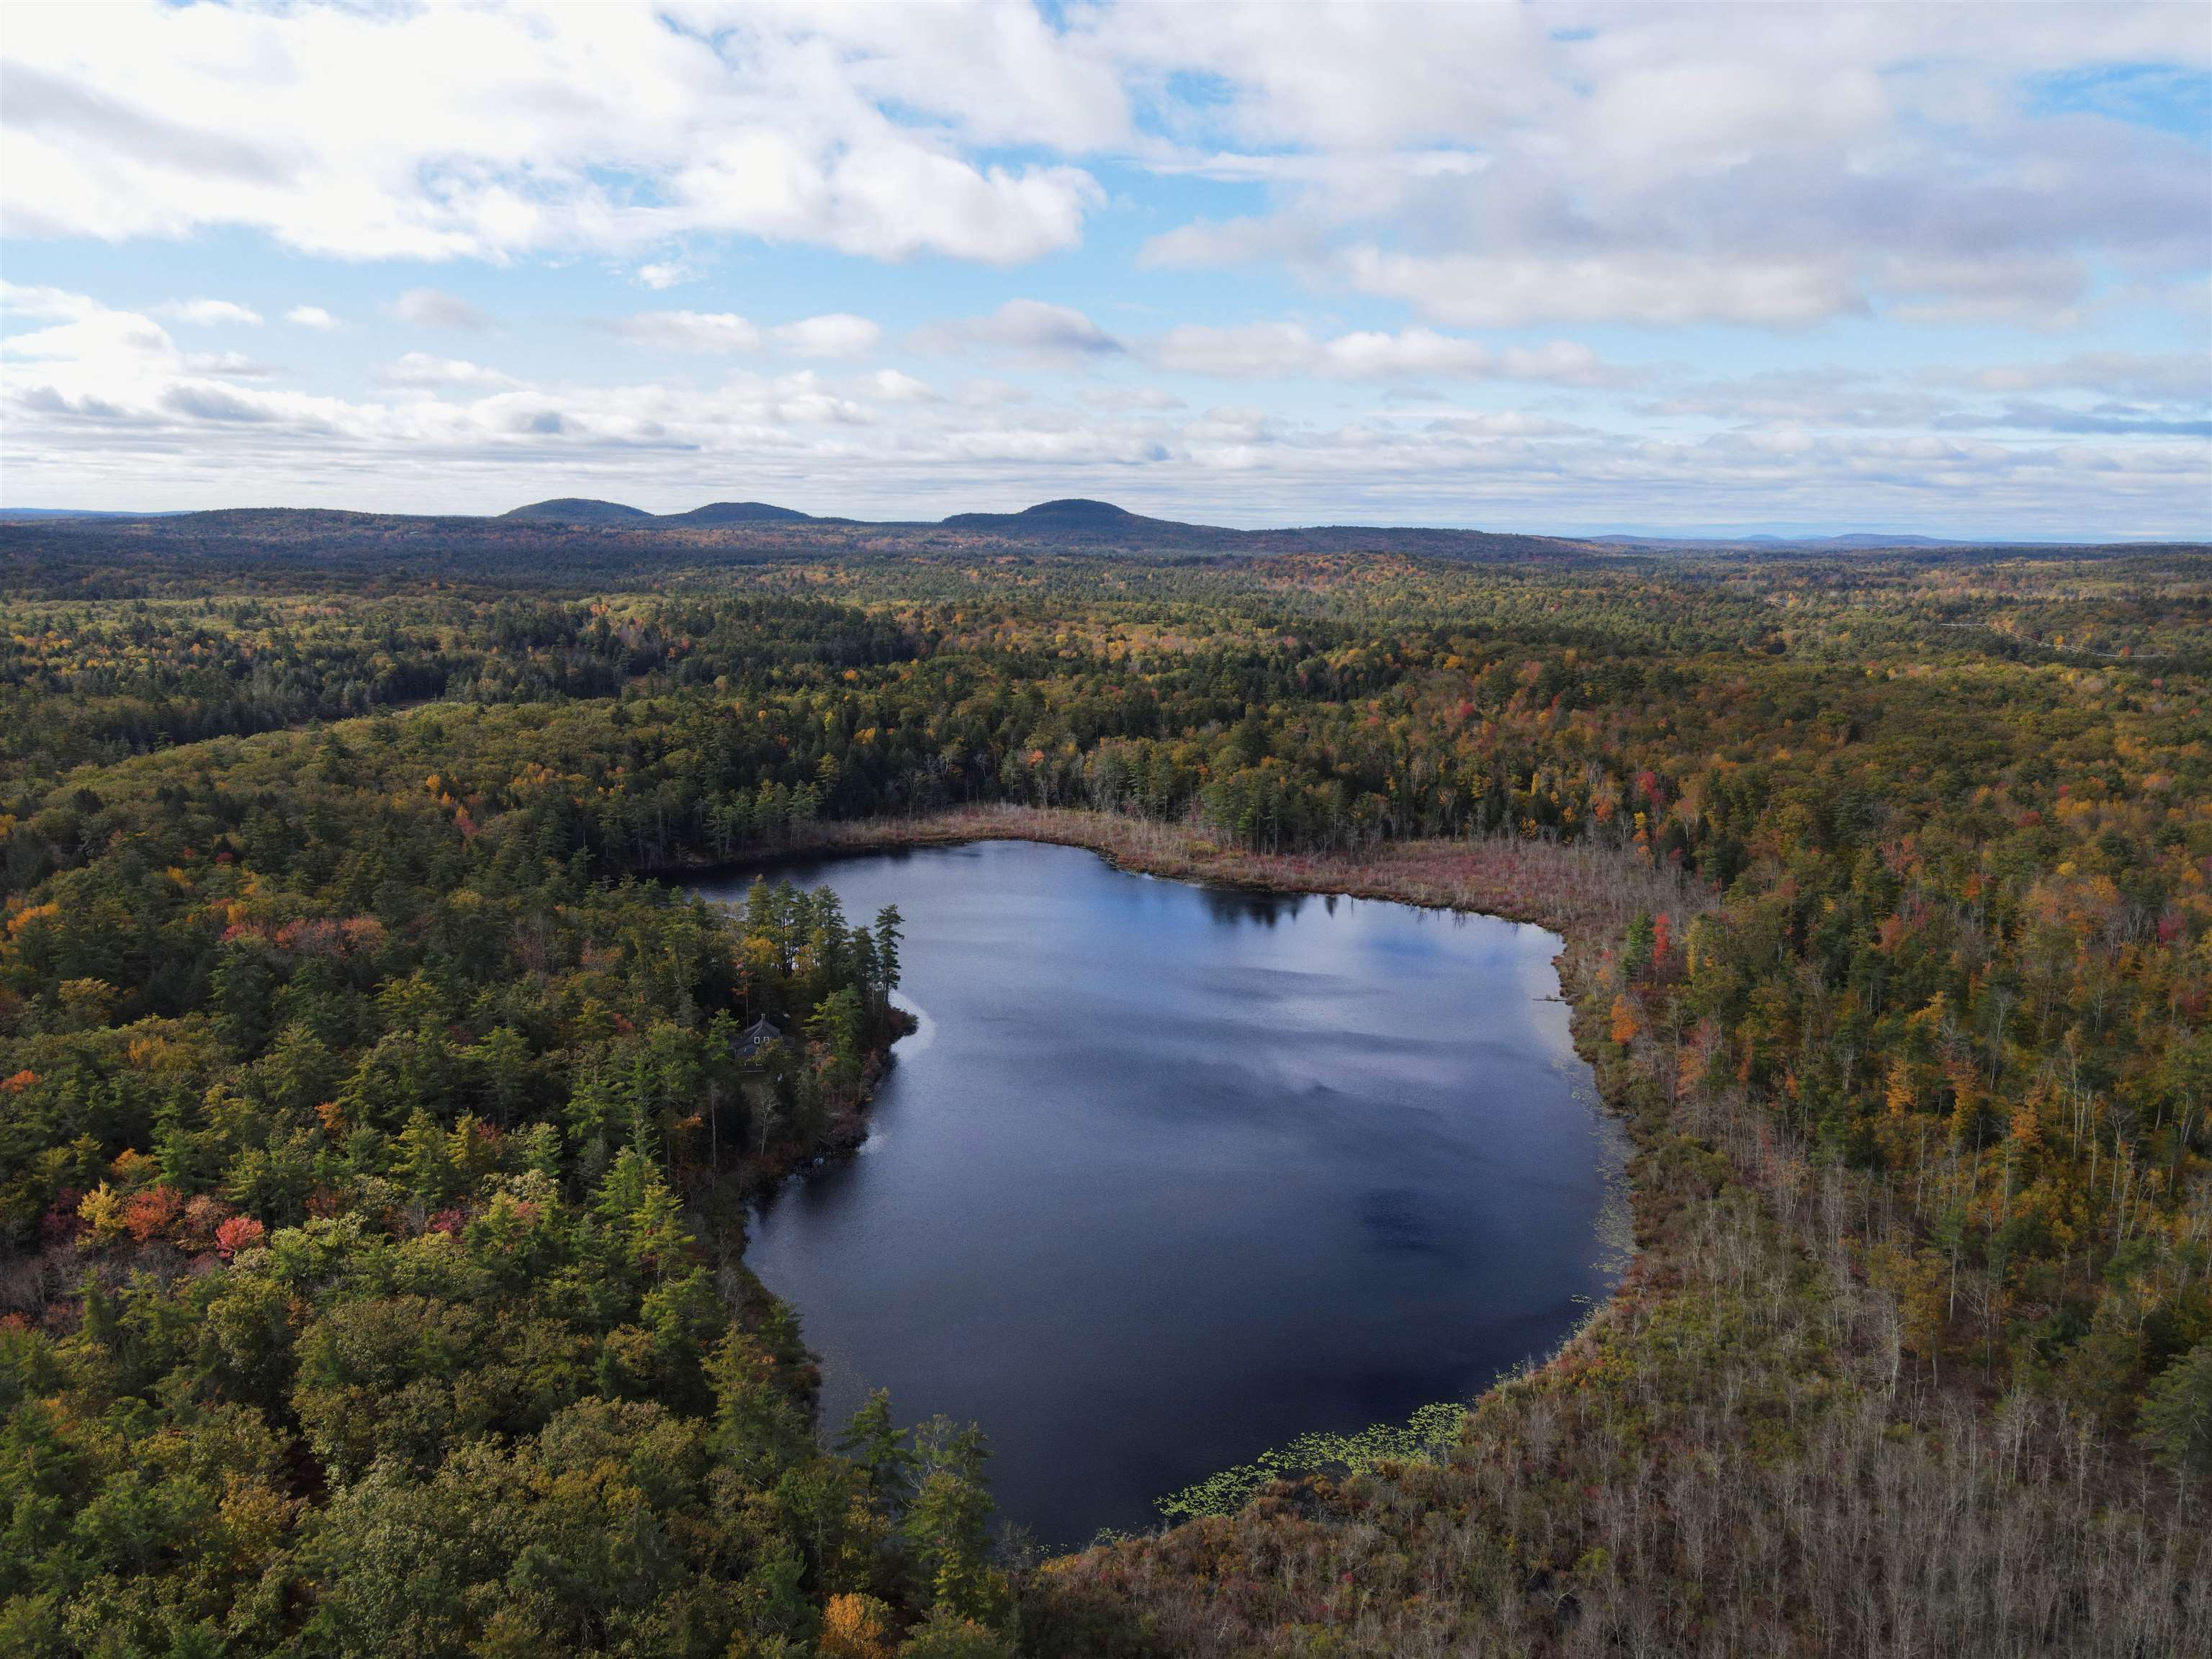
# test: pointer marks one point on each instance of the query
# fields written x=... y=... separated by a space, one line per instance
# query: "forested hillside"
x=374 y=1124
x=605 y=543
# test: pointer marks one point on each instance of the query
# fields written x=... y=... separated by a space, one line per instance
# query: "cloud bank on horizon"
x=1570 y=267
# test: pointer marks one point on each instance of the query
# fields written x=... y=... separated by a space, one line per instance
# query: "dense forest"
x=375 y=1124
x=601 y=542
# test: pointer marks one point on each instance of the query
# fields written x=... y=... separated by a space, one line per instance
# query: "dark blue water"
x=1171 y=1176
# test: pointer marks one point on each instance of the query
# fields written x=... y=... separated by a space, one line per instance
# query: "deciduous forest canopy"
x=375 y=1122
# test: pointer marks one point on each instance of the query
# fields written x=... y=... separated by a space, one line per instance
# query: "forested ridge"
x=374 y=1124
x=603 y=542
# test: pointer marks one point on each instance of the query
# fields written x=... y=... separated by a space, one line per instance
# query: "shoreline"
x=1175 y=852
x=1487 y=877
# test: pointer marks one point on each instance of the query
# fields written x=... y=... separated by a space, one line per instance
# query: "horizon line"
x=1758 y=531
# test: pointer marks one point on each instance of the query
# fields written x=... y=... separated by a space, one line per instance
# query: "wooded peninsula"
x=378 y=1119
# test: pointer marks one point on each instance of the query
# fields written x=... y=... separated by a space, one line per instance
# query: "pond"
x=1172 y=1175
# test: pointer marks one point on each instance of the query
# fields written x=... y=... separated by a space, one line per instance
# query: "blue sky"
x=1801 y=269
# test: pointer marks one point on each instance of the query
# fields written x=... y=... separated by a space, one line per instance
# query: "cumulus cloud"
x=1485 y=165
x=1771 y=166
x=422 y=369
x=444 y=132
x=2183 y=376
x=1023 y=328
x=84 y=340
x=892 y=387
x=690 y=331
x=2108 y=394
x=232 y=365
x=1649 y=286
x=208 y=313
x=1827 y=397
x=837 y=334
x=1281 y=350
x=2111 y=421
x=102 y=374
x=430 y=308
x=98 y=398
x=1447 y=188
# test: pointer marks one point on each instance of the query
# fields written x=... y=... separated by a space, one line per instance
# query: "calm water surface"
x=1170 y=1174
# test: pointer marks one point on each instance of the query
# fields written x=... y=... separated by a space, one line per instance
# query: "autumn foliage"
x=372 y=1120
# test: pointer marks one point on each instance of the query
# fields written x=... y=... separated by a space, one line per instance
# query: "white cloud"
x=83 y=339
x=2109 y=393
x=422 y=369
x=487 y=132
x=2108 y=420
x=2177 y=376
x=1250 y=350
x=1485 y=165
x=232 y=365
x=1480 y=290
x=430 y=308
x=1795 y=184
x=690 y=331
x=987 y=391
x=1820 y=397
x=208 y=313
x=835 y=334
x=99 y=404
x=997 y=74
x=1283 y=350
x=1024 y=328
x=1773 y=166
x=54 y=304
x=1375 y=355
x=884 y=200
x=892 y=387
x=1150 y=398
x=838 y=334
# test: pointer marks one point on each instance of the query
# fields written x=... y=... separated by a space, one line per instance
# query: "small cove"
x=1172 y=1175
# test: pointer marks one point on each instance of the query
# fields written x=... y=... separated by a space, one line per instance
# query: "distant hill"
x=737 y=513
x=578 y=509
x=1072 y=512
x=1101 y=527
x=582 y=543
x=1094 y=526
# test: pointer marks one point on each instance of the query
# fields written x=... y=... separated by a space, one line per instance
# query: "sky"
x=1797 y=269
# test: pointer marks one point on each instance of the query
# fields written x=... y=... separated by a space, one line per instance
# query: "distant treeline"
x=615 y=547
